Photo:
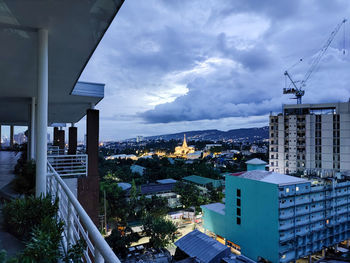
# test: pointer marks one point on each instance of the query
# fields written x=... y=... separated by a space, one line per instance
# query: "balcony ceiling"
x=75 y=29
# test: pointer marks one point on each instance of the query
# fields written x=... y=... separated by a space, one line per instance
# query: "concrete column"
x=11 y=136
x=88 y=188
x=61 y=139
x=72 y=140
x=55 y=136
x=310 y=259
x=42 y=113
x=31 y=132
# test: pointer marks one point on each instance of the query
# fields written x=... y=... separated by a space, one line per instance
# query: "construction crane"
x=296 y=87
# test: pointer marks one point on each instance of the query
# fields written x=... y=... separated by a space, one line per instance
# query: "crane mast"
x=298 y=90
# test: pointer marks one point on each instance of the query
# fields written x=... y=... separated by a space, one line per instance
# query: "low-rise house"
x=163 y=189
x=200 y=247
x=203 y=183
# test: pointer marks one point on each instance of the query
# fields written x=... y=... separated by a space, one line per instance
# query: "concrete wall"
x=257 y=235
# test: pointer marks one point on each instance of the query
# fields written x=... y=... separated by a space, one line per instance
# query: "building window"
x=238 y=202
x=287 y=190
x=297 y=188
x=238 y=212
x=238 y=220
x=238 y=192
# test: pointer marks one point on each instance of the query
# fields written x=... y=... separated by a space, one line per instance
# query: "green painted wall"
x=258 y=233
x=214 y=222
x=251 y=167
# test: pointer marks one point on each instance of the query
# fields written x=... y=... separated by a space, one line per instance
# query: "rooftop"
x=216 y=207
x=255 y=161
x=201 y=180
x=152 y=189
x=202 y=247
x=166 y=181
x=272 y=177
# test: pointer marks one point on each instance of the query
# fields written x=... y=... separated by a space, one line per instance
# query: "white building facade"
x=314 y=137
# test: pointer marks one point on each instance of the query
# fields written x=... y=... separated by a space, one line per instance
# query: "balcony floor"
x=8 y=161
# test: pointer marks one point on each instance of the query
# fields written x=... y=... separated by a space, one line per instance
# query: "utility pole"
x=105 y=208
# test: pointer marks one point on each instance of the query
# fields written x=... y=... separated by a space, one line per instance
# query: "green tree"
x=215 y=195
x=119 y=241
x=160 y=230
x=190 y=194
x=117 y=207
x=156 y=206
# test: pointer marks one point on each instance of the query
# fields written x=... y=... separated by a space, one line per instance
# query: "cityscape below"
x=174 y=131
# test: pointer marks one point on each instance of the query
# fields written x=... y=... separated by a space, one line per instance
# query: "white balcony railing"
x=55 y=150
x=69 y=165
x=77 y=224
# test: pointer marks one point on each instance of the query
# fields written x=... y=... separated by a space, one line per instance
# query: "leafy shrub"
x=75 y=252
x=22 y=215
x=44 y=244
x=24 y=181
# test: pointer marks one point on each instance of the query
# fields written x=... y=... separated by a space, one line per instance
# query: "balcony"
x=78 y=225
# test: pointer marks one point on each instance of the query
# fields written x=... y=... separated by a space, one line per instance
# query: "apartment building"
x=313 y=137
x=280 y=218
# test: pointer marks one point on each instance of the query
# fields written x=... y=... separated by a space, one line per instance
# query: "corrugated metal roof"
x=166 y=181
x=152 y=189
x=200 y=246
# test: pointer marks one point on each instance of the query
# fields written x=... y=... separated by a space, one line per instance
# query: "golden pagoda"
x=184 y=149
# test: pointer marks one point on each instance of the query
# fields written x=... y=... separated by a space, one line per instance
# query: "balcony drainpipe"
x=42 y=113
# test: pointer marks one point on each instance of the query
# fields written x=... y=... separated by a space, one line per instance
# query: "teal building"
x=255 y=164
x=280 y=218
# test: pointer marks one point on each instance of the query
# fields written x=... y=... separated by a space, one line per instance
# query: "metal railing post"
x=69 y=224
x=98 y=257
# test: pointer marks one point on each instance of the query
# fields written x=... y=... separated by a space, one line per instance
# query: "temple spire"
x=184 y=145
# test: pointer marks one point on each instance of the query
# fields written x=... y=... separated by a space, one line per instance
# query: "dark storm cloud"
x=207 y=64
x=296 y=29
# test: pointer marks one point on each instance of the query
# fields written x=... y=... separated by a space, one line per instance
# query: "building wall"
x=283 y=223
x=315 y=140
x=251 y=167
x=312 y=218
x=345 y=142
x=257 y=233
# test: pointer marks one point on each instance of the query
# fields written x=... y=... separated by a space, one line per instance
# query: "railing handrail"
x=99 y=242
x=67 y=155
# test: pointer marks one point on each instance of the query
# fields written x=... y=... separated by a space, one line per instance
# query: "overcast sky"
x=171 y=66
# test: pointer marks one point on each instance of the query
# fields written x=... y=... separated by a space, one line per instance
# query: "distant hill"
x=245 y=134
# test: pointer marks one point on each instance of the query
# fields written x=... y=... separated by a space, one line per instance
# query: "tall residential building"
x=315 y=137
x=280 y=218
